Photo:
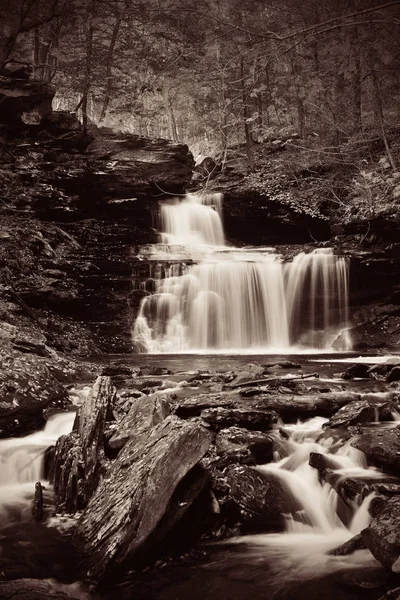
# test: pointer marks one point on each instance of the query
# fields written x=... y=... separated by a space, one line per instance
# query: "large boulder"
x=382 y=537
x=238 y=439
x=261 y=499
x=118 y=529
x=382 y=448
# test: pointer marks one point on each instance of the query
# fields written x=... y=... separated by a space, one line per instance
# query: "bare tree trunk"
x=357 y=83
x=246 y=124
x=88 y=64
x=170 y=114
x=301 y=115
x=109 y=64
x=379 y=109
x=36 y=50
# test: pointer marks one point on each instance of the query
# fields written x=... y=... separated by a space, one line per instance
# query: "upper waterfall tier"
x=235 y=300
x=192 y=221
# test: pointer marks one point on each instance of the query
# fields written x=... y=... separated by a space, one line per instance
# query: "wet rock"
x=37 y=509
x=290 y=408
x=31 y=589
x=193 y=406
x=220 y=418
x=116 y=370
x=322 y=462
x=362 y=411
x=235 y=456
x=382 y=537
x=358 y=370
x=261 y=499
x=394 y=375
x=355 y=543
x=116 y=530
x=379 y=371
x=381 y=332
x=155 y=371
x=391 y=595
x=236 y=440
x=134 y=162
x=79 y=458
x=382 y=448
x=284 y=364
x=251 y=372
x=144 y=384
x=27 y=388
x=144 y=414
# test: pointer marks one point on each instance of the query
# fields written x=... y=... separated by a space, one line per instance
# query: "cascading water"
x=236 y=299
x=193 y=221
x=22 y=465
x=318 y=522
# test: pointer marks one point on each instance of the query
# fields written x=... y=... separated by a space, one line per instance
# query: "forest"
x=215 y=74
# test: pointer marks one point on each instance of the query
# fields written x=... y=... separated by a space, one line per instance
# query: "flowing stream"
x=22 y=465
x=318 y=517
x=203 y=295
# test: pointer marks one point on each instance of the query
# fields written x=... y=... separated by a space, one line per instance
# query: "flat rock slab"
x=118 y=525
x=362 y=411
x=220 y=418
x=290 y=407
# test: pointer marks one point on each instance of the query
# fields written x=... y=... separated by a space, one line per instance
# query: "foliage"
x=216 y=74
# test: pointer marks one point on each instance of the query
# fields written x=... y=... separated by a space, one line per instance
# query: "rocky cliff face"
x=73 y=206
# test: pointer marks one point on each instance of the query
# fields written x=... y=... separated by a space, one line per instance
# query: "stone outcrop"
x=100 y=189
x=27 y=390
x=24 y=101
x=121 y=521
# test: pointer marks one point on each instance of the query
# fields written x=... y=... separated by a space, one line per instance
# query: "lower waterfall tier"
x=233 y=304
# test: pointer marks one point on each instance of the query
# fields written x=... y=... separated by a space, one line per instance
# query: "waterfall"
x=235 y=299
x=22 y=465
x=192 y=221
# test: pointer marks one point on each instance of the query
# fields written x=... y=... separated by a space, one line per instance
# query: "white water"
x=192 y=221
x=232 y=299
x=300 y=553
x=21 y=466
